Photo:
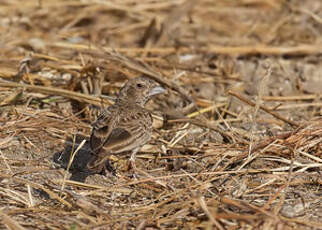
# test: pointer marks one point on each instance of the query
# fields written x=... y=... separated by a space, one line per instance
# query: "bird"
x=126 y=125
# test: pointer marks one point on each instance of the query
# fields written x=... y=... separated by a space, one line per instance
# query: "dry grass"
x=238 y=136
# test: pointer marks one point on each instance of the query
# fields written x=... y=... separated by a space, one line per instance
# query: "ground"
x=237 y=141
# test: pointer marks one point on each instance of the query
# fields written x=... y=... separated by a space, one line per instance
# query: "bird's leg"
x=101 y=166
x=132 y=160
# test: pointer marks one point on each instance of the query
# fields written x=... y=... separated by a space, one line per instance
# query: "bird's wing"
x=116 y=131
x=102 y=128
x=106 y=141
x=129 y=132
x=117 y=141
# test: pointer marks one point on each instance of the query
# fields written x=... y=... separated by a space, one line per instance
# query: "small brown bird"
x=125 y=126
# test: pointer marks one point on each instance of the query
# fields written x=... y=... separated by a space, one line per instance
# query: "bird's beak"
x=156 y=90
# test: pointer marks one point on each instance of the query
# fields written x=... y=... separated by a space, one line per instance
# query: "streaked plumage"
x=125 y=126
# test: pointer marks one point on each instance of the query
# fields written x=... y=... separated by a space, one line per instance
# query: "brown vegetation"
x=238 y=137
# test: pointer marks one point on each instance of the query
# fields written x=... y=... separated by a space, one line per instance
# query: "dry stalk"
x=72 y=155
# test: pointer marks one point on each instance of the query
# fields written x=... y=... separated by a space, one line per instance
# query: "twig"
x=204 y=124
x=131 y=63
x=292 y=123
x=9 y=222
x=72 y=155
x=261 y=90
x=292 y=98
x=38 y=186
x=202 y=203
x=56 y=91
x=227 y=50
x=5 y=161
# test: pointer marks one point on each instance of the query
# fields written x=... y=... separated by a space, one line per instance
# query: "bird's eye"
x=139 y=85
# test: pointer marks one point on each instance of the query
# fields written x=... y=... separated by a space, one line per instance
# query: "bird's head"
x=139 y=90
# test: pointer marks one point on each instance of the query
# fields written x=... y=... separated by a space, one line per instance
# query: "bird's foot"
x=108 y=169
x=135 y=173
